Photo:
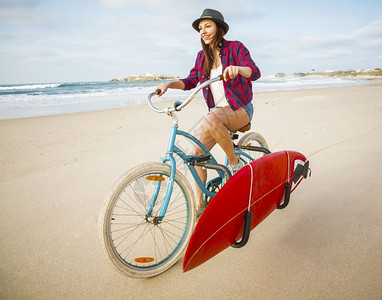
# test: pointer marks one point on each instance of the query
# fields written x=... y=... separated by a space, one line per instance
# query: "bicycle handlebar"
x=188 y=100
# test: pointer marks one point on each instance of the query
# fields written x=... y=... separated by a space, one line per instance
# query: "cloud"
x=186 y=11
x=357 y=49
x=372 y=30
x=13 y=19
x=370 y=35
x=111 y=38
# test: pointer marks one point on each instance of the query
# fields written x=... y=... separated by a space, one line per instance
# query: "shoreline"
x=36 y=112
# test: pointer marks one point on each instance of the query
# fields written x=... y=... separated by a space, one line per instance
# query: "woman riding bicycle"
x=228 y=101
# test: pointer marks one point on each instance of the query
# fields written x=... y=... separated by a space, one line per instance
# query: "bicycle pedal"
x=198 y=159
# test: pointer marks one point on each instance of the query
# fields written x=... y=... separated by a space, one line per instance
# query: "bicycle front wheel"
x=252 y=139
x=136 y=244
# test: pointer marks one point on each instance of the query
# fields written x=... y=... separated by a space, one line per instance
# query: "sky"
x=44 y=41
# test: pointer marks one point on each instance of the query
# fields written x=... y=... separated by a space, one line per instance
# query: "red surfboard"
x=262 y=186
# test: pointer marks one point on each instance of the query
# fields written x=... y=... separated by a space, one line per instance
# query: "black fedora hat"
x=214 y=15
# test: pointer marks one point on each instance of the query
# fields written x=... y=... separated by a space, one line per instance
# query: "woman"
x=229 y=101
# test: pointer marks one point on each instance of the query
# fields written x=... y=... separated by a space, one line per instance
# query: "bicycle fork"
x=169 y=157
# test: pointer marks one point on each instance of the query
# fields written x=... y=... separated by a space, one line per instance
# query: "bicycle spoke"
x=174 y=226
x=127 y=235
x=176 y=220
x=143 y=190
x=167 y=233
x=156 y=247
x=131 y=246
x=143 y=212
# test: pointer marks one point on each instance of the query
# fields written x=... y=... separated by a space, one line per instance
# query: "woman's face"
x=207 y=30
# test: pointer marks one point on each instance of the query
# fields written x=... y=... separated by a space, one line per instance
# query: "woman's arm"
x=243 y=58
x=169 y=85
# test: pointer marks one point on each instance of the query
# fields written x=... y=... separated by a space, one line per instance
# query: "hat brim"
x=223 y=24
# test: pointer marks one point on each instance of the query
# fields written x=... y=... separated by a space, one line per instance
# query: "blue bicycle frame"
x=172 y=149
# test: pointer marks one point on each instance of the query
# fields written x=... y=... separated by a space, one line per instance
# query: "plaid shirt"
x=238 y=91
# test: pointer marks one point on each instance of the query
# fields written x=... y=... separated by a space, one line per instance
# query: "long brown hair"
x=209 y=50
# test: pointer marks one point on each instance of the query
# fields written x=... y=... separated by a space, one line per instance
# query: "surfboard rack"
x=253 y=148
x=288 y=187
x=246 y=231
x=300 y=171
x=248 y=218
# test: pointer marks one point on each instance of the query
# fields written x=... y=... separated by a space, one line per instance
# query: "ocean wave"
x=29 y=86
x=278 y=84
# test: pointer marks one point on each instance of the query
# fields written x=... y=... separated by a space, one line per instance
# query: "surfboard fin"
x=301 y=171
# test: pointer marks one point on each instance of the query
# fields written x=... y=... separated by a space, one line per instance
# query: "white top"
x=217 y=88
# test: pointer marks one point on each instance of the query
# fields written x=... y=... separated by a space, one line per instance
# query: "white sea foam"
x=296 y=83
x=29 y=86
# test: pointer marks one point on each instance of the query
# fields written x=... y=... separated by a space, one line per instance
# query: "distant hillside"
x=146 y=77
x=370 y=73
x=351 y=73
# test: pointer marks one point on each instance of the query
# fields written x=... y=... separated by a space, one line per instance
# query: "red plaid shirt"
x=238 y=91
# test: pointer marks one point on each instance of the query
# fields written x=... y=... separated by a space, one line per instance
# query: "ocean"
x=43 y=99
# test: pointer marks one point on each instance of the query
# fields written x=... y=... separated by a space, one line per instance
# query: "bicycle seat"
x=244 y=128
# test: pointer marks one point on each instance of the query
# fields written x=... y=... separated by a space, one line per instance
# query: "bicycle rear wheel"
x=252 y=139
x=136 y=244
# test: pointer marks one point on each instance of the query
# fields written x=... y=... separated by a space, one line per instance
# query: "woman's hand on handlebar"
x=232 y=72
x=169 y=85
x=162 y=88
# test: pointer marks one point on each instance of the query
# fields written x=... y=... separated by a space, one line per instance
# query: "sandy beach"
x=56 y=172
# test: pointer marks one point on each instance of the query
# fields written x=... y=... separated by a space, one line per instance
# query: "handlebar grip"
x=177 y=104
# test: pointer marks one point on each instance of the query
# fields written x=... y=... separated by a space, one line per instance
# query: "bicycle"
x=147 y=220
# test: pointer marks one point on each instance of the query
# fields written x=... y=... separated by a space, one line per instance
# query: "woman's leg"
x=215 y=129
x=208 y=141
x=220 y=122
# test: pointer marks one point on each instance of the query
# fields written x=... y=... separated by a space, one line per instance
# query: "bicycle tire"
x=252 y=139
x=134 y=245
